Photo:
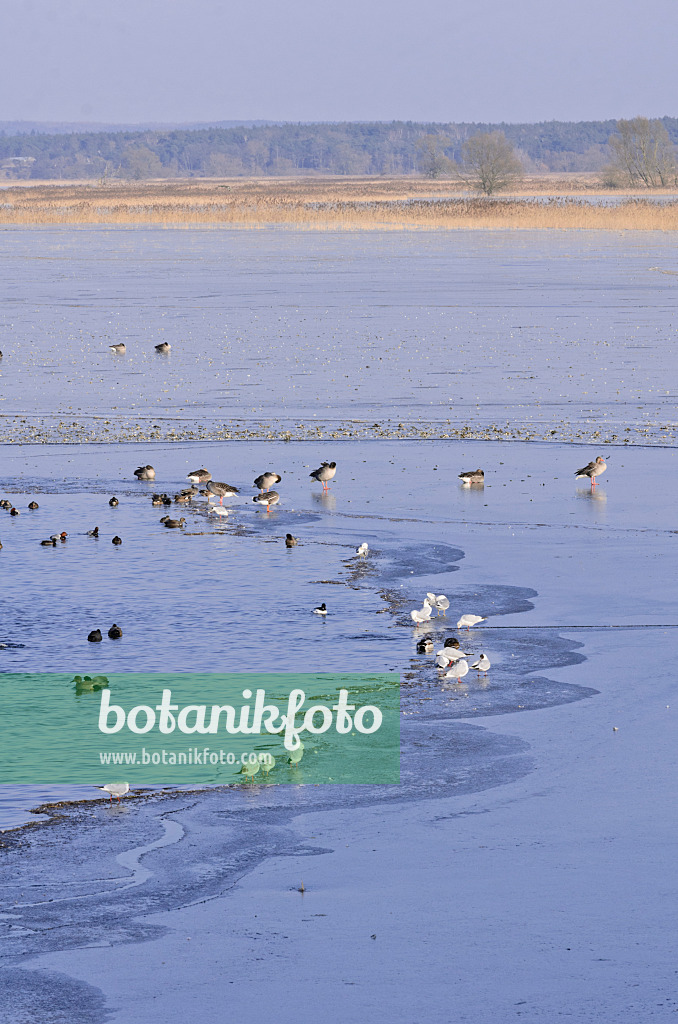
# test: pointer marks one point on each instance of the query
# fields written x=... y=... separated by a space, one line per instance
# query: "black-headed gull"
x=116 y=789
x=466 y=621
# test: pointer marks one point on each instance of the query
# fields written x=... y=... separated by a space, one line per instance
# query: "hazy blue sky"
x=202 y=60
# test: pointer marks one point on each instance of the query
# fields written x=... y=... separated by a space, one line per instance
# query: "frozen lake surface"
x=491 y=334
x=537 y=552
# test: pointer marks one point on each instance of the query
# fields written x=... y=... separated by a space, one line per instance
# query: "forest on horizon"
x=287 y=149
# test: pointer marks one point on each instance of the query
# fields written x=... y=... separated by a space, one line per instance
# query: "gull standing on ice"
x=116 y=789
x=458 y=670
x=362 y=550
x=482 y=664
x=593 y=470
x=469 y=620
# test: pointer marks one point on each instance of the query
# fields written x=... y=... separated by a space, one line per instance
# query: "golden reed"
x=384 y=205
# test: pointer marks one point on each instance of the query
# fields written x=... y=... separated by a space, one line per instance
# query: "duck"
x=473 y=476
x=267 y=498
x=116 y=540
x=593 y=470
x=425 y=646
x=200 y=476
x=174 y=524
x=181 y=499
x=115 y=633
x=324 y=473
x=290 y=541
x=321 y=610
x=166 y=500
x=5 y=503
x=266 y=481
x=33 y=505
x=469 y=620
x=119 y=349
x=14 y=511
x=189 y=492
x=60 y=536
x=156 y=500
x=51 y=543
x=220 y=490
x=145 y=473
x=114 y=502
x=94 y=532
x=482 y=664
x=95 y=636
x=115 y=789
x=163 y=348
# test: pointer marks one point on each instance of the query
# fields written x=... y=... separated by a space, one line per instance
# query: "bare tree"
x=431 y=159
x=642 y=153
x=489 y=162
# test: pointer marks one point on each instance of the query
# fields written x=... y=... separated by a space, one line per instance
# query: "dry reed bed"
x=245 y=206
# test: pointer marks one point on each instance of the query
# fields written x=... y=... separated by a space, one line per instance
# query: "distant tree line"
x=396 y=148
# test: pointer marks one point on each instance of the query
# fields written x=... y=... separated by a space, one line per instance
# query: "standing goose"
x=266 y=481
x=119 y=349
x=221 y=490
x=266 y=498
x=324 y=473
x=145 y=473
x=593 y=470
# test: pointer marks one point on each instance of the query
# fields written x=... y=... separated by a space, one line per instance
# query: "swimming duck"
x=145 y=473
x=324 y=473
x=166 y=500
x=593 y=470
x=290 y=541
x=469 y=620
x=33 y=505
x=116 y=540
x=95 y=636
x=425 y=646
x=474 y=476
x=14 y=511
x=156 y=500
x=60 y=536
x=200 y=476
x=120 y=348
x=51 y=543
x=163 y=348
x=5 y=503
x=174 y=524
x=221 y=490
x=94 y=532
x=266 y=481
x=267 y=498
x=189 y=492
x=322 y=610
x=181 y=499
x=114 y=503
x=115 y=633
